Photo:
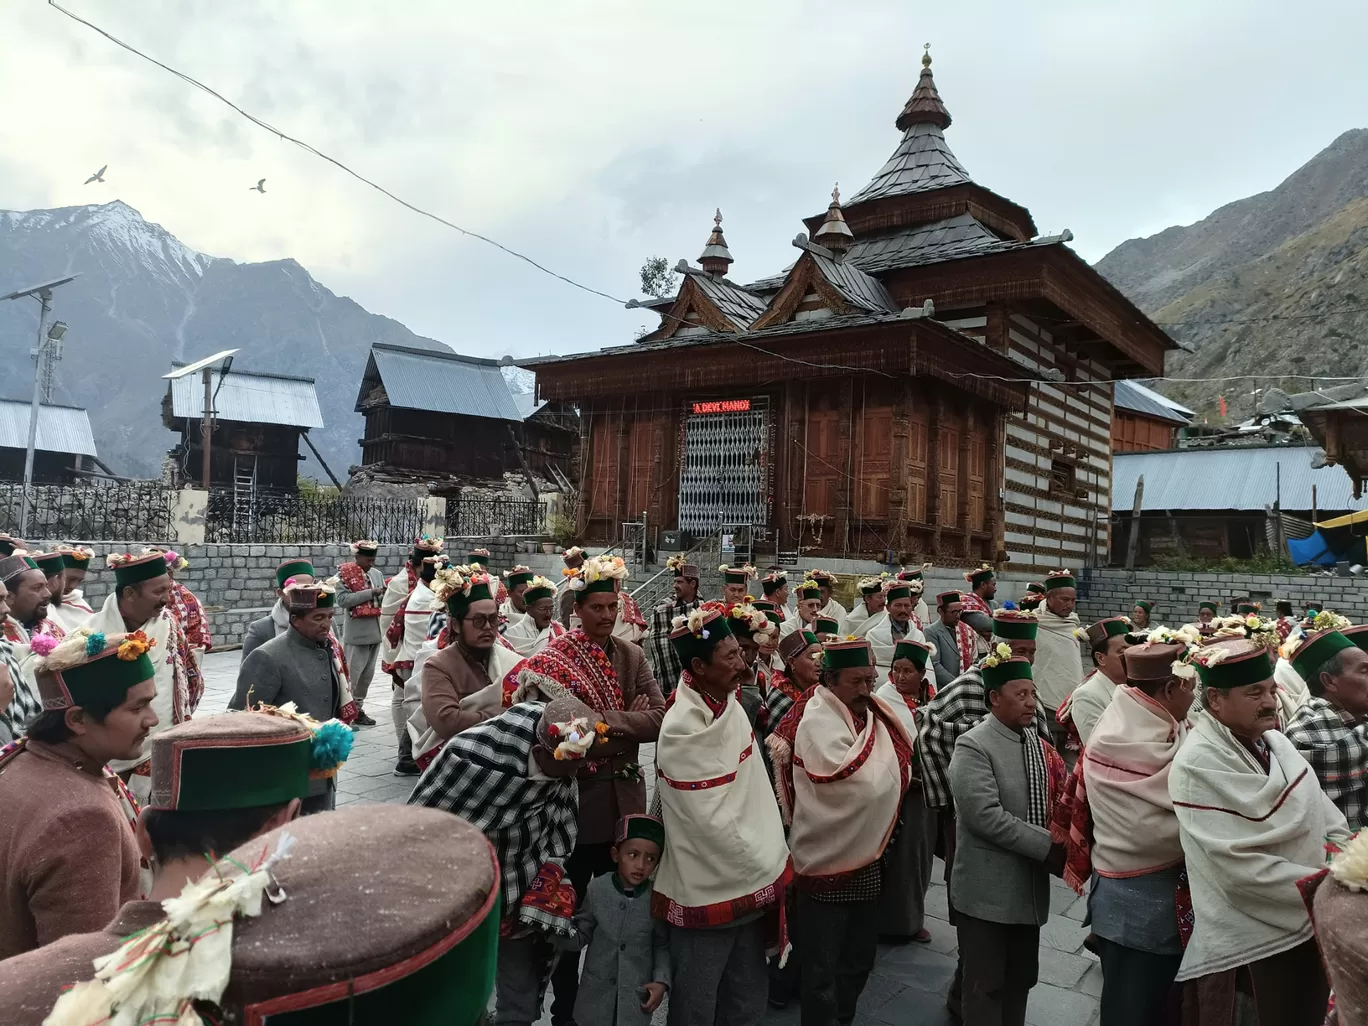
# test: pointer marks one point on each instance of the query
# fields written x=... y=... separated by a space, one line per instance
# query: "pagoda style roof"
x=922 y=161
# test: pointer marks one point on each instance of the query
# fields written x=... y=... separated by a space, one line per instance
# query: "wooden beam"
x=933 y=472
x=846 y=434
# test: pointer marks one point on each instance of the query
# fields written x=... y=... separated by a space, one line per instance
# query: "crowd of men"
x=810 y=761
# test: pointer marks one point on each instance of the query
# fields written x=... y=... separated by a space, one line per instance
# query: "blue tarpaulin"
x=1311 y=550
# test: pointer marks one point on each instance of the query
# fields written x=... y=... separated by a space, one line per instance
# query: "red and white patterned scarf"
x=575 y=664
x=356 y=580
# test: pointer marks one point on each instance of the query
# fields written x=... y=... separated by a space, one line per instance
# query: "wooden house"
x=1145 y=421
x=437 y=413
x=930 y=379
x=64 y=447
x=258 y=422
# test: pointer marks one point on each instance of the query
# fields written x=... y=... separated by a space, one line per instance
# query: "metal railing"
x=482 y=516
x=275 y=517
x=651 y=590
x=105 y=511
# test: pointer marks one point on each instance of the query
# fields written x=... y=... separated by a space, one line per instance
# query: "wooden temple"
x=929 y=379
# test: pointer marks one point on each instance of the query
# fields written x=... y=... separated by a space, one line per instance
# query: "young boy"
x=627 y=968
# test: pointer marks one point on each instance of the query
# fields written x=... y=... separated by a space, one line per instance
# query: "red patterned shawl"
x=573 y=664
x=356 y=580
x=187 y=610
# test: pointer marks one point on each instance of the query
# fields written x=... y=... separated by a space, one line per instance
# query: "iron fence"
x=104 y=511
x=482 y=516
x=289 y=517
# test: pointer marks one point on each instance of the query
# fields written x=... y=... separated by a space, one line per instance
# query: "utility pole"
x=42 y=293
x=207 y=428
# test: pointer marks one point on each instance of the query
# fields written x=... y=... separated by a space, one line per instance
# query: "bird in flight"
x=98 y=176
x=259 y=187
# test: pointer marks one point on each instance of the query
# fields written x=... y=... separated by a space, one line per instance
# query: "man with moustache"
x=53 y=568
x=138 y=602
x=29 y=598
x=953 y=638
x=1331 y=727
x=809 y=605
x=1253 y=821
x=870 y=610
x=684 y=601
x=68 y=856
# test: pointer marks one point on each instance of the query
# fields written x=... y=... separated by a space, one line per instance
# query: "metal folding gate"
x=725 y=465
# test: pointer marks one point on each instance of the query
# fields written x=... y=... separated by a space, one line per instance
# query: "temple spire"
x=834 y=233
x=716 y=258
x=925 y=106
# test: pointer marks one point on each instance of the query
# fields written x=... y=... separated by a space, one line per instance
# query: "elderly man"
x=899 y=625
x=612 y=677
x=361 y=587
x=916 y=579
x=956 y=709
x=1107 y=641
x=1137 y=857
x=826 y=586
x=751 y=628
x=139 y=602
x=68 y=857
x=1003 y=777
x=870 y=610
x=1206 y=612
x=735 y=582
x=1253 y=821
x=842 y=763
x=1330 y=729
x=516 y=582
x=684 y=601
x=1057 y=667
x=277 y=621
x=457 y=678
x=725 y=866
x=776 y=589
x=298 y=667
x=809 y=605
x=505 y=777
x=953 y=639
x=532 y=632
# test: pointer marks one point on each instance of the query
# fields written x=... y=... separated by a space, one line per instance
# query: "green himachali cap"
x=809 y=590
x=1005 y=672
x=89 y=669
x=1144 y=604
x=1315 y=651
x=293 y=568
x=1014 y=627
x=1209 y=605
x=129 y=569
x=1244 y=663
x=702 y=637
x=1060 y=579
x=538 y=589
x=518 y=575
x=847 y=655
x=913 y=651
x=1108 y=628
x=50 y=563
x=1358 y=635
x=898 y=591
x=238 y=760
x=826 y=625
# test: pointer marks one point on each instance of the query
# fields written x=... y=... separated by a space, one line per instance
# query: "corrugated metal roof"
x=858 y=288
x=1230 y=479
x=921 y=162
x=425 y=379
x=60 y=428
x=249 y=399
x=1138 y=399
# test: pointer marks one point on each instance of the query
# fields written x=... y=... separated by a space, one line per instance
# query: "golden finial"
x=926 y=55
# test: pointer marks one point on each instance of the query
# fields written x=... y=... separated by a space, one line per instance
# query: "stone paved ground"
x=909 y=983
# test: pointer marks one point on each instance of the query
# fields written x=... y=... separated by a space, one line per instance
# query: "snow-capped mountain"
x=145 y=299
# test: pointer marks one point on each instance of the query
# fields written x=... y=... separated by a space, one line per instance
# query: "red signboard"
x=723 y=406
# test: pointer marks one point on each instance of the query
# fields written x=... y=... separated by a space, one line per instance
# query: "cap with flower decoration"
x=681 y=567
x=1111 y=627
x=596 y=574
x=130 y=568
x=518 y=575
x=914 y=573
x=1060 y=579
x=980 y=576
x=539 y=588
x=91 y=668
x=737 y=574
x=573 y=556
x=774 y=580
x=771 y=611
x=809 y=589
x=1015 y=625
x=698 y=632
x=76 y=557
x=746 y=621
x=424 y=546
x=365 y=547
x=456 y=588
x=872 y=585
x=1229 y=663
x=1004 y=671
x=477 y=557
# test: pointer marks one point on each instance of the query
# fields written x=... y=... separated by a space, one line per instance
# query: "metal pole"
x=45 y=299
x=207 y=428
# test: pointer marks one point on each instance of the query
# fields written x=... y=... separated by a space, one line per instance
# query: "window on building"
x=1063 y=479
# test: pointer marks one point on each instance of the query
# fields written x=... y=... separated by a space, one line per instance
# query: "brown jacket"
x=68 y=858
x=604 y=799
x=450 y=675
x=31 y=983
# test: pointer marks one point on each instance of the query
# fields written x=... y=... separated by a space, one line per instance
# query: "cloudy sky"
x=591 y=134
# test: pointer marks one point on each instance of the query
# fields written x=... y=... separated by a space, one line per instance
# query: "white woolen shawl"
x=1248 y=837
x=1058 y=665
x=841 y=825
x=1292 y=690
x=723 y=842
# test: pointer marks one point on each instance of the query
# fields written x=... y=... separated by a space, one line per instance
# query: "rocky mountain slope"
x=1272 y=284
x=144 y=299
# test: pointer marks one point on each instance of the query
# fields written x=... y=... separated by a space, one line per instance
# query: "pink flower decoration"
x=171 y=557
x=43 y=644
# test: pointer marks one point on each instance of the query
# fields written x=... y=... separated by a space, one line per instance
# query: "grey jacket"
x=999 y=874
x=947 y=657
x=361 y=630
x=627 y=950
x=258 y=633
x=290 y=668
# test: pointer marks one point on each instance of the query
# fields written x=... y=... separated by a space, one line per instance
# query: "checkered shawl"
x=24 y=706
x=481 y=775
x=1336 y=746
x=942 y=721
x=663 y=656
